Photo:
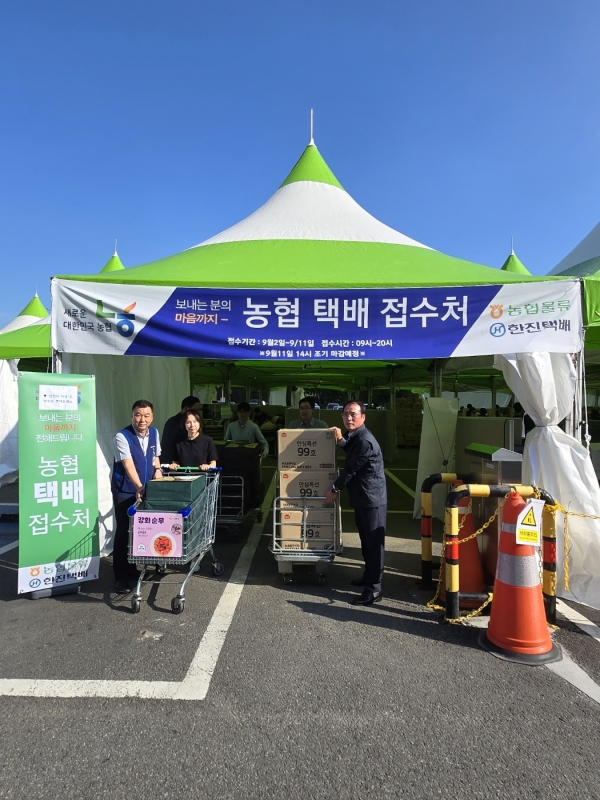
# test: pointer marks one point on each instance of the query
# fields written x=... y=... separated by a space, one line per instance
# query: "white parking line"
x=586 y=625
x=5 y=548
x=406 y=488
x=196 y=683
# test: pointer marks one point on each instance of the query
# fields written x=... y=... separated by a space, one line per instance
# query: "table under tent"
x=311 y=282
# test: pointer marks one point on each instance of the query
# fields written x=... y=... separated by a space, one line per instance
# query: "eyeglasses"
x=351 y=414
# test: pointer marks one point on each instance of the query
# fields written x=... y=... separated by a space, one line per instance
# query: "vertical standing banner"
x=58 y=488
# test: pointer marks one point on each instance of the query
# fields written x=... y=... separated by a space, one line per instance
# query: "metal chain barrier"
x=553 y=509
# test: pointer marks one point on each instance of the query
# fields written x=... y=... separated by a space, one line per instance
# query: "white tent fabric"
x=311 y=210
x=588 y=247
x=22 y=321
x=9 y=414
x=544 y=384
x=119 y=383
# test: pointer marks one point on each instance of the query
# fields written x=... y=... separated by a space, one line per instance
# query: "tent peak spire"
x=512 y=245
x=114 y=263
x=311 y=166
x=312 y=140
x=513 y=263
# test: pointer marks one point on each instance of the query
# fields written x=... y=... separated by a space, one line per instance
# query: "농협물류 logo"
x=496 y=311
x=124 y=318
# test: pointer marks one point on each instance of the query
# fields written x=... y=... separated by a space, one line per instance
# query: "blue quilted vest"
x=144 y=464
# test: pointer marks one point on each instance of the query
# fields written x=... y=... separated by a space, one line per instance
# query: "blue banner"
x=375 y=324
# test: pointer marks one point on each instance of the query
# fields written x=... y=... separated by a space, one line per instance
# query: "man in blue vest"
x=137 y=451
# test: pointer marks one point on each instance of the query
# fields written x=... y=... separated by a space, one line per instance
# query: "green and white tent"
x=28 y=336
x=309 y=240
x=33 y=312
x=311 y=283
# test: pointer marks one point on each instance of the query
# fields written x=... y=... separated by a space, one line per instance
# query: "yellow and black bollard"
x=426 y=523
x=549 y=563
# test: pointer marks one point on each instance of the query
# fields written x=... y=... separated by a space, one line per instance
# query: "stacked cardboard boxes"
x=306 y=461
x=409 y=420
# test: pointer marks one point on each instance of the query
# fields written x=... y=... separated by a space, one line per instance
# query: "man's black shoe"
x=122 y=587
x=358 y=582
x=367 y=599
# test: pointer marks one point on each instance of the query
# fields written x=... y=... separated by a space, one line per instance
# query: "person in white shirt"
x=243 y=430
x=306 y=408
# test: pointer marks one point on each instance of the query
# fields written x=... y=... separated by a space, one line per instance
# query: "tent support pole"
x=393 y=410
x=579 y=400
x=434 y=379
x=227 y=386
x=493 y=382
x=56 y=362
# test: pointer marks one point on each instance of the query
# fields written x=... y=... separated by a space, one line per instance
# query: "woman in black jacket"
x=198 y=450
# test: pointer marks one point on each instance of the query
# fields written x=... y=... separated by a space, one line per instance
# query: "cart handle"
x=132 y=509
x=166 y=467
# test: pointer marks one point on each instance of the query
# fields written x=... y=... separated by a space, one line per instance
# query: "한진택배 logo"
x=124 y=318
x=497 y=329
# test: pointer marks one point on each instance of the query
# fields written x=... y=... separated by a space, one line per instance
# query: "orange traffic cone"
x=470 y=570
x=517 y=630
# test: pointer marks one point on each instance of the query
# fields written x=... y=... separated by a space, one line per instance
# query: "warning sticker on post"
x=529 y=523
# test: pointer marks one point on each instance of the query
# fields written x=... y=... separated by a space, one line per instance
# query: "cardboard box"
x=306 y=485
x=311 y=449
x=319 y=529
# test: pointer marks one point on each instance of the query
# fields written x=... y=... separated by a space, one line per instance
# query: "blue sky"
x=459 y=122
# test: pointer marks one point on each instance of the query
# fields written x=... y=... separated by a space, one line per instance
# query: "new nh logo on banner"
x=125 y=325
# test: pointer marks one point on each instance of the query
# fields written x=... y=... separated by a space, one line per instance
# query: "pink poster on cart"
x=157 y=535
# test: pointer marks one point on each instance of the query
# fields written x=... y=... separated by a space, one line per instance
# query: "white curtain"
x=9 y=416
x=120 y=381
x=437 y=445
x=544 y=384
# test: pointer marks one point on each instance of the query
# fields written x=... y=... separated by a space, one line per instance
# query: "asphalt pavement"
x=310 y=697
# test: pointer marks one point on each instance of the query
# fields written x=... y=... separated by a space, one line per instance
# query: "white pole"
x=312 y=141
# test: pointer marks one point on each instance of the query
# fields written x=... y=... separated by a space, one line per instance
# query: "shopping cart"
x=305 y=535
x=171 y=536
x=230 y=502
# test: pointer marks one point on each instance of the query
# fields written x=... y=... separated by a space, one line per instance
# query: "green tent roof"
x=306 y=264
x=30 y=342
x=310 y=234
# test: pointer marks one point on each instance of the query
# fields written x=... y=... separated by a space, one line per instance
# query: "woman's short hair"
x=191 y=412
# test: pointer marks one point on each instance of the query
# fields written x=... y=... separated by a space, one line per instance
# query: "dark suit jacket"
x=363 y=474
x=172 y=434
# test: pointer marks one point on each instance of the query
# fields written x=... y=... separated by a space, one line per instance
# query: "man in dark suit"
x=364 y=478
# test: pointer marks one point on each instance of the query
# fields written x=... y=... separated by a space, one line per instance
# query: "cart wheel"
x=287 y=579
x=161 y=569
x=136 y=604
x=218 y=569
x=321 y=580
x=177 y=605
